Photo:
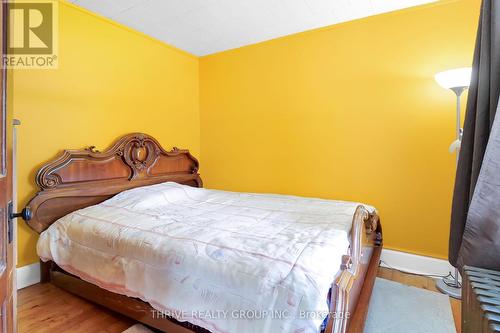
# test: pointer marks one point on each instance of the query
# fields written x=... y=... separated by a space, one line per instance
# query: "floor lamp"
x=458 y=81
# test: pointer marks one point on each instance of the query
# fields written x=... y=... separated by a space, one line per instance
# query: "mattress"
x=224 y=261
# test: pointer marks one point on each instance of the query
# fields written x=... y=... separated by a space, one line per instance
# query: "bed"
x=133 y=229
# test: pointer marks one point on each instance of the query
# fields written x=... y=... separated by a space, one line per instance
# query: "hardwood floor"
x=44 y=308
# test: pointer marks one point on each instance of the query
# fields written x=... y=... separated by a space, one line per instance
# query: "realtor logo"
x=32 y=39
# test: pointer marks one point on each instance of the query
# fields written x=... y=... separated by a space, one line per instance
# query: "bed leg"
x=45 y=268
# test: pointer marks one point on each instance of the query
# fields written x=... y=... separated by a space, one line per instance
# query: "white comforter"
x=225 y=261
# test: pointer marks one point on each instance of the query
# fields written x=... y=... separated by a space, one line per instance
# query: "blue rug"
x=398 y=308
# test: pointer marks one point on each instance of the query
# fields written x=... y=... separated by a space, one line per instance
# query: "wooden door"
x=6 y=225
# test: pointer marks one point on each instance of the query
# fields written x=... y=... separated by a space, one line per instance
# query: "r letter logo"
x=32 y=41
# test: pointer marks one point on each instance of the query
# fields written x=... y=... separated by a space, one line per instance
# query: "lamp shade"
x=454 y=78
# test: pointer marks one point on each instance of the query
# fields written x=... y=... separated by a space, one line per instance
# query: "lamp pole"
x=458 y=91
x=451 y=286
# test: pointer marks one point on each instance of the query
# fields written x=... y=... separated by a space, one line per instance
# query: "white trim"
x=28 y=275
x=413 y=263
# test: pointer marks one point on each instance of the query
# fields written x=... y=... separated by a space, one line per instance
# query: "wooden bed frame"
x=80 y=178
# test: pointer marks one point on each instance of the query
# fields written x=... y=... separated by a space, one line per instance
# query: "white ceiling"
x=204 y=27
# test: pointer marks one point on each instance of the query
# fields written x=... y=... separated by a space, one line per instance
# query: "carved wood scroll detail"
x=366 y=238
x=85 y=177
x=138 y=151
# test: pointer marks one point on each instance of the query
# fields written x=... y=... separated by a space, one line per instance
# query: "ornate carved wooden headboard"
x=81 y=178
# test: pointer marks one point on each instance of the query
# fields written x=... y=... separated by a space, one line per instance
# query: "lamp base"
x=449 y=287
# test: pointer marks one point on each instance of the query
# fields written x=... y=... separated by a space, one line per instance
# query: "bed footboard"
x=352 y=288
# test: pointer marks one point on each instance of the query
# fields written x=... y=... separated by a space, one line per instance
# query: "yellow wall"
x=110 y=81
x=347 y=112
